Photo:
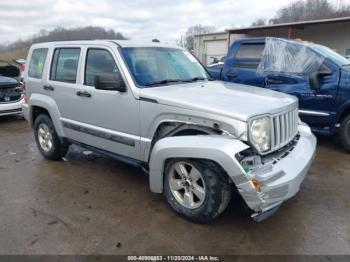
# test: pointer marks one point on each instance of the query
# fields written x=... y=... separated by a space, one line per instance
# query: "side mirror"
x=314 y=81
x=314 y=77
x=110 y=82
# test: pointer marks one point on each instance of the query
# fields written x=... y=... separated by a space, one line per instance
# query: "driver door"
x=316 y=96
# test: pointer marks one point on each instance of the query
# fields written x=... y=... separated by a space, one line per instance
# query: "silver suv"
x=156 y=107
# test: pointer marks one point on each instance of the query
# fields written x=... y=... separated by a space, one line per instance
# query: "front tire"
x=47 y=139
x=198 y=190
x=344 y=133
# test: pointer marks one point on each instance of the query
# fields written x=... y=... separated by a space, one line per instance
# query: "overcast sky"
x=137 y=19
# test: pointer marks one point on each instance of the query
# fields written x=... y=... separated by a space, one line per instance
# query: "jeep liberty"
x=156 y=107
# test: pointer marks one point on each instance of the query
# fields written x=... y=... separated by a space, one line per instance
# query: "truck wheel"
x=344 y=133
x=47 y=139
x=197 y=190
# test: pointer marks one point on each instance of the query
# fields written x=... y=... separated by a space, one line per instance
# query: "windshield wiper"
x=167 y=81
x=163 y=82
x=197 y=78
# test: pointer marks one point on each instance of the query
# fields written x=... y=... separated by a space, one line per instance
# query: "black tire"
x=58 y=149
x=344 y=133
x=218 y=191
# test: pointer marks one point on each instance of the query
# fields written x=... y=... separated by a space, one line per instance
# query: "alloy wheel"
x=187 y=185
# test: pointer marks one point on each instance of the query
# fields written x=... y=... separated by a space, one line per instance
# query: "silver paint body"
x=127 y=117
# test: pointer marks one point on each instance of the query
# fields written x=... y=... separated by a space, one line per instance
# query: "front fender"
x=219 y=149
x=48 y=104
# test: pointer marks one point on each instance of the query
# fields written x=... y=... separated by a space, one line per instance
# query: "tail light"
x=24 y=92
x=23 y=68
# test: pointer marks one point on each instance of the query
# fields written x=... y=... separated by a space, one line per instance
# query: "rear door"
x=242 y=62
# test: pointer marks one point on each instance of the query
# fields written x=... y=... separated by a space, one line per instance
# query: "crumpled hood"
x=226 y=99
x=7 y=81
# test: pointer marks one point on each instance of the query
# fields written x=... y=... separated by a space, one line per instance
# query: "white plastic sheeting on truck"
x=288 y=57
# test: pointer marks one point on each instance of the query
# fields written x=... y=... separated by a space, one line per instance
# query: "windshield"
x=156 y=66
x=332 y=55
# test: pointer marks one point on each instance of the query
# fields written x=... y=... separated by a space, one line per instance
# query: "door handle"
x=274 y=81
x=231 y=74
x=83 y=94
x=48 y=88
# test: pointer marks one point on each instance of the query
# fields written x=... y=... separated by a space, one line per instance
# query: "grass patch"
x=13 y=55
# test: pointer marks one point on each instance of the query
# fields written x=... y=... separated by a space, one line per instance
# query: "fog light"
x=256 y=185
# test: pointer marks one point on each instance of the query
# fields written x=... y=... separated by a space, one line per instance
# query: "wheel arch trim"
x=345 y=108
x=219 y=149
x=49 y=104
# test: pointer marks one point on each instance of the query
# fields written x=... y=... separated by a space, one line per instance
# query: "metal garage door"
x=217 y=49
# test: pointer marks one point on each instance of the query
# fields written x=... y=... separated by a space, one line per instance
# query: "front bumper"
x=12 y=108
x=280 y=179
x=25 y=109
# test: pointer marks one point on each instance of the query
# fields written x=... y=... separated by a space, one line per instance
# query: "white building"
x=334 y=33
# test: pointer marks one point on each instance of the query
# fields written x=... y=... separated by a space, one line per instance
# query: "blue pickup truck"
x=317 y=75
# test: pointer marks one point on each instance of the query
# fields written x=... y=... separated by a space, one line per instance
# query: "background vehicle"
x=323 y=90
x=154 y=106
x=22 y=65
x=11 y=97
x=217 y=61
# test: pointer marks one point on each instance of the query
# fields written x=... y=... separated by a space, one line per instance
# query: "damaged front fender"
x=219 y=149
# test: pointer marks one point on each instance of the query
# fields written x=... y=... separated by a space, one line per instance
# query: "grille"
x=284 y=128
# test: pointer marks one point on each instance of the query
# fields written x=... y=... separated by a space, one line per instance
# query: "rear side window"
x=99 y=61
x=250 y=51
x=37 y=63
x=65 y=64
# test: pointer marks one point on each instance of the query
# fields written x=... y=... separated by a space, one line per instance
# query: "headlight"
x=260 y=133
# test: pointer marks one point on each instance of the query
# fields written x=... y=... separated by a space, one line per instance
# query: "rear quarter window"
x=250 y=51
x=37 y=63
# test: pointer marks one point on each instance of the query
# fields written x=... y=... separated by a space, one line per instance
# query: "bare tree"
x=310 y=10
x=259 y=22
x=196 y=30
x=304 y=10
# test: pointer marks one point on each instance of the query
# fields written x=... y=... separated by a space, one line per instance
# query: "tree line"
x=304 y=10
x=62 y=34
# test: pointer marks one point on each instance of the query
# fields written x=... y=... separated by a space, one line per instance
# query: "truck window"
x=98 y=61
x=65 y=64
x=250 y=51
x=37 y=62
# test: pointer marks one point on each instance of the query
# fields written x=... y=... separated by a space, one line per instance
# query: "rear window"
x=65 y=64
x=37 y=62
x=250 y=51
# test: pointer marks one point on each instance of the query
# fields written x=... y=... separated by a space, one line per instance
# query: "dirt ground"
x=91 y=204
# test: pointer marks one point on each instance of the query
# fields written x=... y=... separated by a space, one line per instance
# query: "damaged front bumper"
x=279 y=175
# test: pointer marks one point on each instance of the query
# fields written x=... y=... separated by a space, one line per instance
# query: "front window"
x=99 y=62
x=156 y=66
x=329 y=53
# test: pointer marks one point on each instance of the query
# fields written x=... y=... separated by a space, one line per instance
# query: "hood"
x=226 y=99
x=7 y=81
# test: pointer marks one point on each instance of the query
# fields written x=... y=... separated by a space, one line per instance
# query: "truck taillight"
x=24 y=92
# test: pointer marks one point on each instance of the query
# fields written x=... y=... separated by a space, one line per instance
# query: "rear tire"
x=210 y=193
x=47 y=140
x=344 y=133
